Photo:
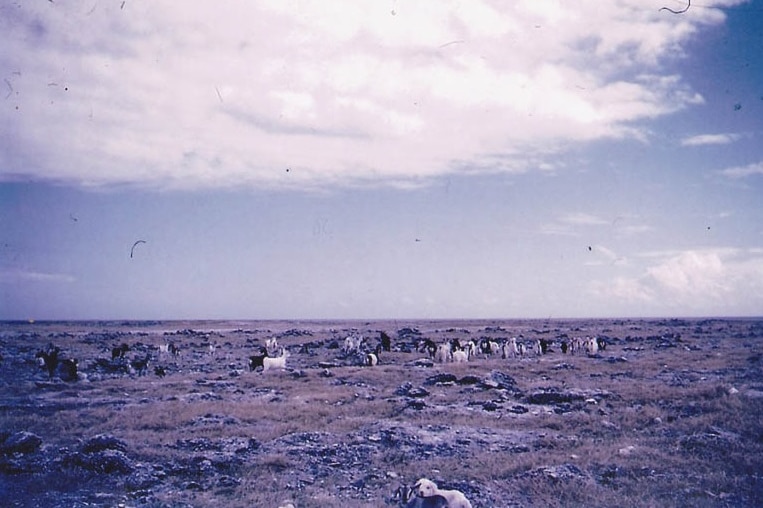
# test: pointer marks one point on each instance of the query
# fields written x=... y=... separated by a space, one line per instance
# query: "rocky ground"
x=669 y=414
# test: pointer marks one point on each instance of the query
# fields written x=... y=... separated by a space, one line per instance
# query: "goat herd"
x=355 y=349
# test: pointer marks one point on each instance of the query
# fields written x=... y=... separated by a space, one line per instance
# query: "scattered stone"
x=552 y=397
x=21 y=442
x=468 y=380
x=104 y=462
x=439 y=379
x=417 y=404
x=500 y=380
x=103 y=442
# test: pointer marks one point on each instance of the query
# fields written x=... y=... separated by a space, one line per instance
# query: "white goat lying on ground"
x=408 y=498
x=428 y=488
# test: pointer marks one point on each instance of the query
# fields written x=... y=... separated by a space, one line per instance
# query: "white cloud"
x=20 y=276
x=583 y=219
x=701 y=280
x=710 y=139
x=744 y=171
x=157 y=94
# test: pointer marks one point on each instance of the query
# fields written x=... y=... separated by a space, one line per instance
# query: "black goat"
x=258 y=360
x=386 y=342
x=140 y=366
x=49 y=359
x=119 y=351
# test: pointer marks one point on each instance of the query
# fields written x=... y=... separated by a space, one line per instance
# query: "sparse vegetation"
x=669 y=415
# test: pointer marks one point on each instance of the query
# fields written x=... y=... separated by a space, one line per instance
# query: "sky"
x=385 y=159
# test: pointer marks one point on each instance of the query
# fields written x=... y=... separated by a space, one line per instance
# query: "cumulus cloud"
x=704 y=280
x=346 y=92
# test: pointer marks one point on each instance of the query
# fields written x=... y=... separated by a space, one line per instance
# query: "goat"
x=429 y=346
x=564 y=347
x=372 y=359
x=271 y=345
x=49 y=359
x=460 y=356
x=119 y=351
x=443 y=354
x=159 y=371
x=257 y=360
x=409 y=499
x=488 y=347
x=141 y=365
x=427 y=488
x=352 y=344
x=278 y=362
x=602 y=343
x=386 y=342
x=591 y=345
x=68 y=369
x=471 y=349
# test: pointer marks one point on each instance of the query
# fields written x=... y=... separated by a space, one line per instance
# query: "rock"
x=417 y=392
x=490 y=406
x=423 y=362
x=20 y=442
x=403 y=389
x=103 y=442
x=105 y=462
x=626 y=451
x=439 y=379
x=500 y=380
x=468 y=380
x=551 y=397
x=417 y=404
x=517 y=409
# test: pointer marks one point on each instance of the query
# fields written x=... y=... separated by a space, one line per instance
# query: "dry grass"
x=654 y=422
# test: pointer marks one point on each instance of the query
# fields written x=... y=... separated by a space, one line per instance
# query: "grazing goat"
x=278 y=362
x=140 y=366
x=119 y=351
x=427 y=488
x=170 y=348
x=471 y=349
x=408 y=498
x=429 y=346
x=68 y=370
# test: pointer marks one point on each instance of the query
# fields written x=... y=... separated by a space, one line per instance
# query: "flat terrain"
x=669 y=414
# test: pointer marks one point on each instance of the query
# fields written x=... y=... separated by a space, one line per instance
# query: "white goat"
x=277 y=362
x=271 y=345
x=443 y=353
x=460 y=356
x=352 y=344
x=409 y=499
x=428 y=488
